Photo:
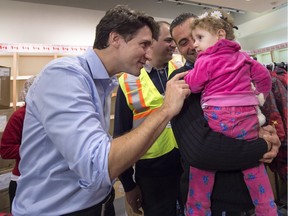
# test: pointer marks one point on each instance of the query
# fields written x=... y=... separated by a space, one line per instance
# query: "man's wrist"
x=166 y=111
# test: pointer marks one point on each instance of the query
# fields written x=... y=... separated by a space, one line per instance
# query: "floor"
x=119 y=205
x=119 y=202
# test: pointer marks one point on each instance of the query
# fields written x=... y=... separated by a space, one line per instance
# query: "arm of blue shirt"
x=123 y=122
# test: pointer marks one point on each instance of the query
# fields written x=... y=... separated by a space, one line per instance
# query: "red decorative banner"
x=268 y=49
x=26 y=48
x=39 y=48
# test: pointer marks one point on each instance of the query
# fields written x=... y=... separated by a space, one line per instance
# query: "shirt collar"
x=97 y=68
x=149 y=68
x=189 y=64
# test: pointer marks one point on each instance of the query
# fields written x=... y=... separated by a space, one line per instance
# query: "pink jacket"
x=224 y=74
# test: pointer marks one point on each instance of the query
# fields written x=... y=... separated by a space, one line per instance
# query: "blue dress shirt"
x=65 y=145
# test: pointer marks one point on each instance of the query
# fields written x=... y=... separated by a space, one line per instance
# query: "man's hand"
x=269 y=134
x=176 y=92
x=134 y=199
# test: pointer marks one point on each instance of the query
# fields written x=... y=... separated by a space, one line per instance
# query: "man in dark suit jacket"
x=230 y=195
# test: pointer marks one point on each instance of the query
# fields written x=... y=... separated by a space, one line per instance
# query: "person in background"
x=195 y=136
x=69 y=161
x=11 y=139
x=157 y=173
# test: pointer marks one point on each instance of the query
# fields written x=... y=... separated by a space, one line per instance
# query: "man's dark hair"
x=125 y=22
x=181 y=19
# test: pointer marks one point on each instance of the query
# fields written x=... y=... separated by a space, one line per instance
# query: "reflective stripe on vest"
x=143 y=98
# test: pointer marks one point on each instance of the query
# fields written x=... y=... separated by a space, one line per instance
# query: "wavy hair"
x=214 y=20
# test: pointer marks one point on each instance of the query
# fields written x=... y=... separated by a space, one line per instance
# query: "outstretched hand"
x=176 y=92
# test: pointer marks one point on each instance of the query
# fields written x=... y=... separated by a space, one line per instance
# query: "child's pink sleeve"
x=197 y=78
x=261 y=78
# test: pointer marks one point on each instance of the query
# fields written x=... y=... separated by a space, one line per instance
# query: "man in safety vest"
x=155 y=187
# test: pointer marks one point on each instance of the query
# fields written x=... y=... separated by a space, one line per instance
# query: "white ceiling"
x=170 y=9
x=258 y=6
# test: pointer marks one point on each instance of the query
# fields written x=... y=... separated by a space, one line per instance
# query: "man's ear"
x=221 y=33
x=114 y=39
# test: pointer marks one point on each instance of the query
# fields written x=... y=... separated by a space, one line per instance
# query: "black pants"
x=97 y=209
x=12 y=191
x=159 y=195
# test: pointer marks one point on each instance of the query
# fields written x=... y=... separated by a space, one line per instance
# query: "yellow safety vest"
x=143 y=98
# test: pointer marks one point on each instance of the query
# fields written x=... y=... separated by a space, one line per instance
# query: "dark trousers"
x=104 y=208
x=159 y=195
x=12 y=191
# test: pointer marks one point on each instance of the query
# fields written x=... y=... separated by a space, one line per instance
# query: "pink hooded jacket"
x=224 y=75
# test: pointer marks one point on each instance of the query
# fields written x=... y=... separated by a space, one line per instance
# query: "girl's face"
x=203 y=39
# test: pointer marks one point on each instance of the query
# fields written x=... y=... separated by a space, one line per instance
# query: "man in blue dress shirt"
x=69 y=161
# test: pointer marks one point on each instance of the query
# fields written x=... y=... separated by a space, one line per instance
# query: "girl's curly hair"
x=212 y=23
